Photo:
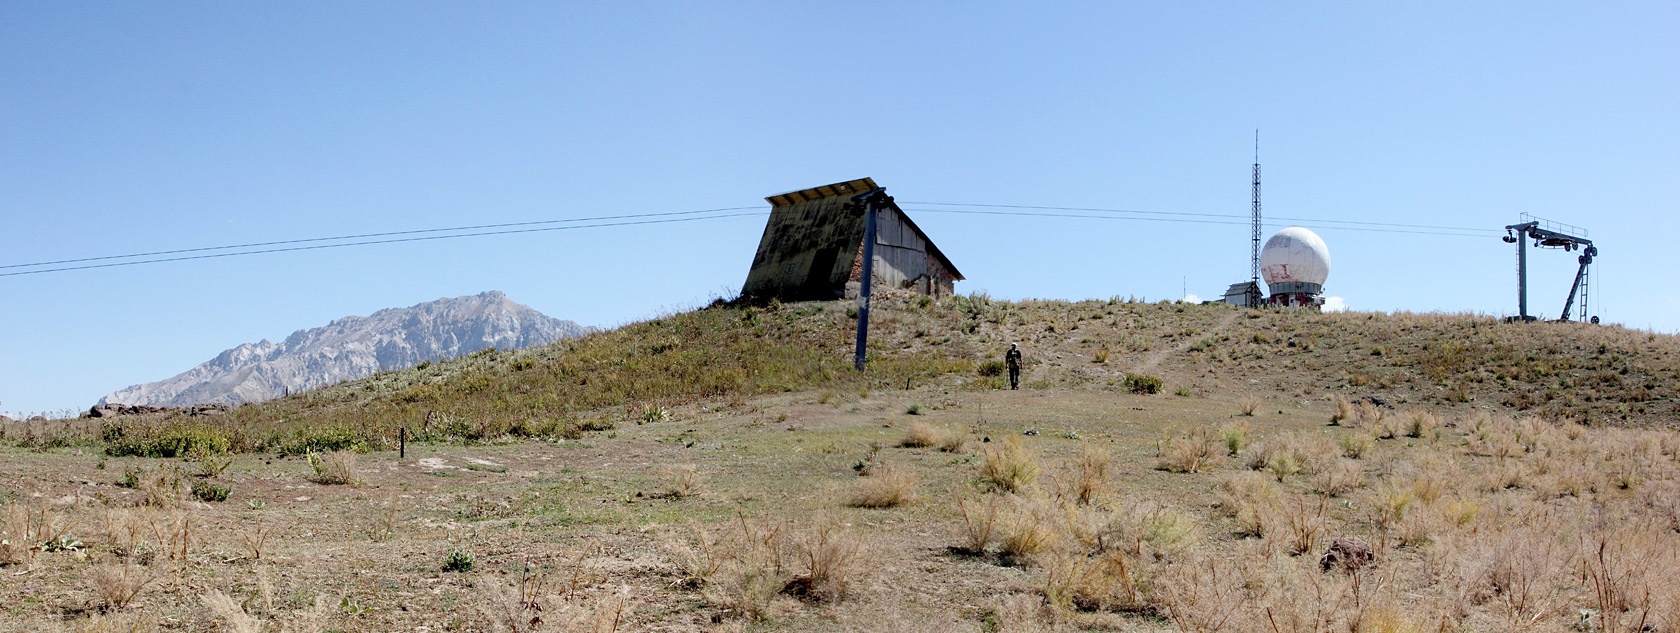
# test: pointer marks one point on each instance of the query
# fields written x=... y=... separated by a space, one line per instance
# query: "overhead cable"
x=368 y=235
x=365 y=243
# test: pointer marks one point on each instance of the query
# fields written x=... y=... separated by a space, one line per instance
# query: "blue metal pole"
x=868 y=276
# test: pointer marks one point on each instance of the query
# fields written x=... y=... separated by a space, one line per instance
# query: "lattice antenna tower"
x=1254 y=259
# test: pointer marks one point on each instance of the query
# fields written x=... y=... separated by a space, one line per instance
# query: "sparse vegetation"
x=885 y=487
x=1009 y=467
x=1464 y=440
x=210 y=492
x=459 y=560
x=1143 y=384
x=922 y=435
x=337 y=468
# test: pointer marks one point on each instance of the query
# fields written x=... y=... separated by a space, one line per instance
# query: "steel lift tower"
x=1548 y=234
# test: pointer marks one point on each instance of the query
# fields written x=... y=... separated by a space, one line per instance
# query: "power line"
x=391 y=241
x=1189 y=221
x=1204 y=215
x=696 y=215
x=364 y=236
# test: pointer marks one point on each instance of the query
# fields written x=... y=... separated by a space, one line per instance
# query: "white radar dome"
x=1295 y=260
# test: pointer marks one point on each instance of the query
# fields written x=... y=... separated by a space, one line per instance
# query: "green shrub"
x=991 y=368
x=1183 y=392
x=167 y=442
x=915 y=408
x=459 y=561
x=319 y=440
x=1143 y=383
x=597 y=424
x=210 y=492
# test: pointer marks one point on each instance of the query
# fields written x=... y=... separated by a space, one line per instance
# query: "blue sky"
x=151 y=126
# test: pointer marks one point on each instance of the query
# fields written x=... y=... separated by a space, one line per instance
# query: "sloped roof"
x=847 y=188
x=854 y=187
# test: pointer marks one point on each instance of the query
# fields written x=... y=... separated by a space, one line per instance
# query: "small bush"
x=117 y=585
x=992 y=368
x=915 y=408
x=1249 y=406
x=1009 y=467
x=829 y=551
x=1235 y=436
x=167 y=442
x=979 y=521
x=1186 y=453
x=922 y=436
x=1088 y=477
x=1344 y=411
x=886 y=487
x=209 y=492
x=651 y=414
x=1283 y=464
x=319 y=440
x=1357 y=445
x=601 y=424
x=1422 y=424
x=1100 y=356
x=459 y=561
x=1182 y=392
x=1028 y=532
x=335 y=468
x=1143 y=384
x=683 y=481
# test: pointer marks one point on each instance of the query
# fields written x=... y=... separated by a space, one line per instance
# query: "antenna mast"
x=1254 y=261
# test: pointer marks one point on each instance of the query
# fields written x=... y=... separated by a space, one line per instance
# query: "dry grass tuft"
x=18 y=537
x=235 y=619
x=1085 y=480
x=980 y=520
x=922 y=435
x=749 y=568
x=1009 y=466
x=683 y=481
x=1341 y=477
x=1075 y=581
x=885 y=487
x=1187 y=453
x=117 y=585
x=1249 y=406
x=1204 y=595
x=830 y=552
x=337 y=468
x=1028 y=530
x=1344 y=412
x=955 y=442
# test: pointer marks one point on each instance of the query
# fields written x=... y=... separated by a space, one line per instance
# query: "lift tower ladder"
x=1548 y=234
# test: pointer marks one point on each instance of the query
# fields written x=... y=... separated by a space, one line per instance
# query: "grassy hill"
x=726 y=470
x=1558 y=371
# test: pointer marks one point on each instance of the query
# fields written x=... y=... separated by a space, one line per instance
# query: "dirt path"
x=1154 y=358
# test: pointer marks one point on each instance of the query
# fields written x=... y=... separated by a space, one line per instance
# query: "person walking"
x=1012 y=359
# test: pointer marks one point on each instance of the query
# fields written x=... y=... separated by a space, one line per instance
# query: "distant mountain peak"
x=355 y=347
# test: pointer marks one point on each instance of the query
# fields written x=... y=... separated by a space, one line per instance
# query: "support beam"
x=871 y=203
x=1580 y=277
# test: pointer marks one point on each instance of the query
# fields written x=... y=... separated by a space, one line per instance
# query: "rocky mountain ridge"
x=354 y=347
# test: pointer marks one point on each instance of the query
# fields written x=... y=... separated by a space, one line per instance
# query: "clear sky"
x=129 y=127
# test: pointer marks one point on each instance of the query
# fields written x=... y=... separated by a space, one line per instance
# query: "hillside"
x=1559 y=371
x=726 y=470
x=354 y=347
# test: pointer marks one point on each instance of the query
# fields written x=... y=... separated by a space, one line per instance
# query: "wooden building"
x=812 y=249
